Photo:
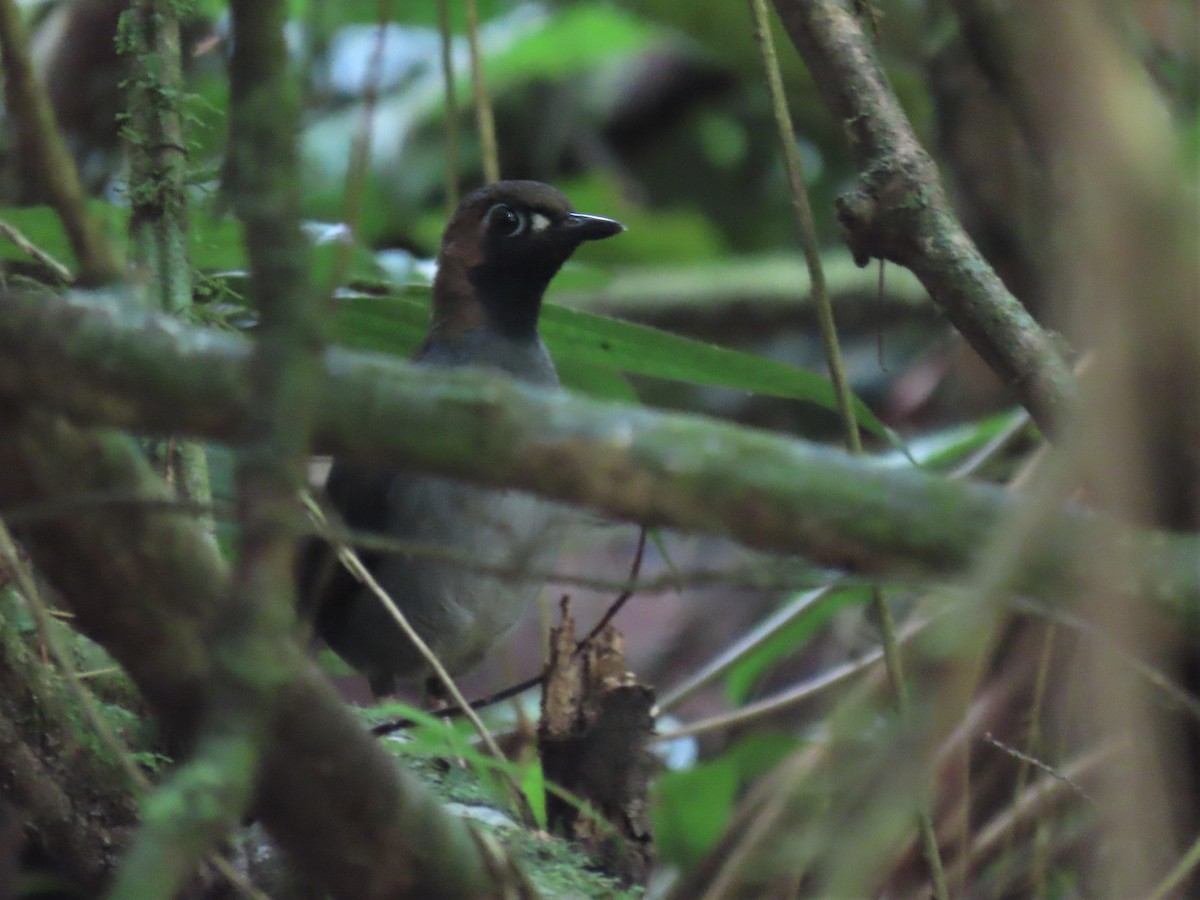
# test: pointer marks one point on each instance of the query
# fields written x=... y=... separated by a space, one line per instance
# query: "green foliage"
x=432 y=738
x=691 y=808
x=587 y=346
x=572 y=39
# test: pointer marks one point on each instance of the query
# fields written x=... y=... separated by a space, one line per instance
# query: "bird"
x=503 y=245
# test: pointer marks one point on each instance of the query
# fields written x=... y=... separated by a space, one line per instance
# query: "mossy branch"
x=254 y=657
x=108 y=366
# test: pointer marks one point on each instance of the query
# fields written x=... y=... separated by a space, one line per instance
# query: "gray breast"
x=489 y=547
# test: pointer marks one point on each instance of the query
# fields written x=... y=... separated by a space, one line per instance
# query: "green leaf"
x=533 y=786
x=690 y=810
x=949 y=446
x=573 y=39
x=590 y=349
x=642 y=350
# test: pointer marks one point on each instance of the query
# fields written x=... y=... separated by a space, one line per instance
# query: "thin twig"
x=45 y=151
x=611 y=612
x=837 y=372
x=484 y=118
x=450 y=102
x=355 y=566
x=30 y=249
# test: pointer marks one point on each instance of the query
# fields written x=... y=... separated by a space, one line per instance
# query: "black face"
x=527 y=231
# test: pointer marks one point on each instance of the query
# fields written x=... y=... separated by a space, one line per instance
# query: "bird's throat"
x=511 y=302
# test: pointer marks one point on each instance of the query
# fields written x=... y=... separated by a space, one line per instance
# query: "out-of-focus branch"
x=27 y=102
x=144 y=372
x=899 y=211
x=1126 y=227
x=152 y=589
x=158 y=226
x=254 y=654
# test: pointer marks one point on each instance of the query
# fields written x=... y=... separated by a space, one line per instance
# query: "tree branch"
x=146 y=372
x=899 y=211
x=254 y=654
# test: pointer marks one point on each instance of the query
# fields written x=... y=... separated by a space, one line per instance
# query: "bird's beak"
x=592 y=228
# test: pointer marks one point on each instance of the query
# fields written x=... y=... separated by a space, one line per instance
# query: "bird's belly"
x=471 y=576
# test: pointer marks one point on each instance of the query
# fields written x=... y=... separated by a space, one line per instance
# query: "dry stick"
x=484 y=119
x=360 y=154
x=46 y=151
x=450 y=102
x=829 y=339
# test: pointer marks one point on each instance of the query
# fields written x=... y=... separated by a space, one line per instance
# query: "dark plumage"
x=503 y=245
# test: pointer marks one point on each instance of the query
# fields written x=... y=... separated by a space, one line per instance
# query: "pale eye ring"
x=505 y=221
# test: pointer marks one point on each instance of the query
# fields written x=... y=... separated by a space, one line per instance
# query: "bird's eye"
x=505 y=221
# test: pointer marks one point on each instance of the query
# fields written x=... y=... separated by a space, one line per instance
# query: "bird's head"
x=503 y=245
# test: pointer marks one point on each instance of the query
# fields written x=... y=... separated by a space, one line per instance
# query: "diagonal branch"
x=47 y=152
x=899 y=211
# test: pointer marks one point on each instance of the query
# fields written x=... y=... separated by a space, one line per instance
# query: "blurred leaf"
x=533 y=786
x=756 y=754
x=641 y=350
x=573 y=39
x=790 y=639
x=690 y=810
x=948 y=446
x=359 y=12
x=656 y=236
x=214 y=243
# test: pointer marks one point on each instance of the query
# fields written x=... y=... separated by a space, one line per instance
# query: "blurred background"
x=654 y=112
